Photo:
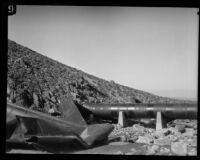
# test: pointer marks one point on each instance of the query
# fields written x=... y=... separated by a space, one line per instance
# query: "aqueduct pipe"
x=172 y=111
x=168 y=111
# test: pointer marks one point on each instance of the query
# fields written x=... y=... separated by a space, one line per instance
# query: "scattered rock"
x=192 y=152
x=168 y=141
x=129 y=153
x=152 y=149
x=150 y=130
x=177 y=134
x=189 y=132
x=114 y=139
x=155 y=148
x=164 y=150
x=195 y=132
x=162 y=141
x=166 y=132
x=119 y=152
x=180 y=128
x=179 y=148
x=133 y=139
x=118 y=143
x=172 y=138
x=170 y=124
x=173 y=130
x=123 y=139
x=145 y=139
x=150 y=152
x=133 y=150
x=187 y=122
x=193 y=142
x=138 y=128
x=163 y=132
x=118 y=126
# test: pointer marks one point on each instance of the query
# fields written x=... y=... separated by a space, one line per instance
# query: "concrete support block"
x=121 y=119
x=160 y=121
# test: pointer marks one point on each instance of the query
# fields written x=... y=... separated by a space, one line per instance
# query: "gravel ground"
x=179 y=138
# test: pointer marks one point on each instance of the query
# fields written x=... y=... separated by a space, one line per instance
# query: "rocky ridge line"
x=38 y=82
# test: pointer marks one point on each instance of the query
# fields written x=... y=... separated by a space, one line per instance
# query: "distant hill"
x=182 y=94
x=37 y=81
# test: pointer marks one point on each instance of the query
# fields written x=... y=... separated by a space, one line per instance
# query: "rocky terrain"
x=38 y=82
x=179 y=138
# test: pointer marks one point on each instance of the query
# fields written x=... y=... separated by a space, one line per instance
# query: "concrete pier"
x=121 y=119
x=160 y=121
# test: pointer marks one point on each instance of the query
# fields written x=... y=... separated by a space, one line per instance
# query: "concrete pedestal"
x=121 y=119
x=160 y=121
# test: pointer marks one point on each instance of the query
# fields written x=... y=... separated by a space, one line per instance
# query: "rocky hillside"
x=36 y=81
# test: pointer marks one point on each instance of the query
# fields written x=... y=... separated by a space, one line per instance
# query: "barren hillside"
x=36 y=81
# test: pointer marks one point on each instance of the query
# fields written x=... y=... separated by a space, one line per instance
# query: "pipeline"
x=170 y=111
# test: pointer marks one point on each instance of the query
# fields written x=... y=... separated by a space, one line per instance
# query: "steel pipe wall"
x=172 y=111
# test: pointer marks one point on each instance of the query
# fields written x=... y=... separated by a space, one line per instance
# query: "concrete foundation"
x=121 y=119
x=160 y=121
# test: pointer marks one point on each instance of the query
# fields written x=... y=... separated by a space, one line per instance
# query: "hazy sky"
x=152 y=49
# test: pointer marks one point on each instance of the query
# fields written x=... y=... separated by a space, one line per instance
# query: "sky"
x=146 y=48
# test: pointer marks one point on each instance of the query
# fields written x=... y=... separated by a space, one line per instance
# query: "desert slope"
x=37 y=81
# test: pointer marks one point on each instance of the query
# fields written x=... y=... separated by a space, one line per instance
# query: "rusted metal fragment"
x=70 y=112
x=27 y=128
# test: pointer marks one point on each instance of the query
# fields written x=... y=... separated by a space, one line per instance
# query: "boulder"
x=193 y=142
x=152 y=149
x=178 y=134
x=138 y=128
x=192 y=152
x=163 y=132
x=179 y=148
x=173 y=130
x=172 y=138
x=189 y=132
x=164 y=150
x=145 y=139
x=133 y=139
x=133 y=150
x=162 y=141
x=170 y=124
x=123 y=139
x=180 y=128
x=150 y=130
x=155 y=147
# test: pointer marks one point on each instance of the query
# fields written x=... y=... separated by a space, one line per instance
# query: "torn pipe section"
x=171 y=111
